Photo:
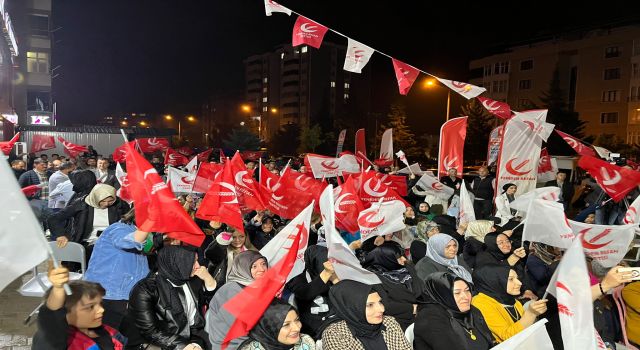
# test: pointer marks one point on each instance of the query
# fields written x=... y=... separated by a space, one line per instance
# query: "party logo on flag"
x=357 y=56
x=306 y=31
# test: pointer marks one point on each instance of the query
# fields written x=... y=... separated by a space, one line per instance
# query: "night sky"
x=161 y=56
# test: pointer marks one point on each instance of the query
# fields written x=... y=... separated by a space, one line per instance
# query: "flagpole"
x=56 y=265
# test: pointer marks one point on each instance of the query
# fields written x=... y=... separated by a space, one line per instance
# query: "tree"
x=281 y=141
x=559 y=114
x=479 y=126
x=310 y=139
x=615 y=144
x=242 y=139
x=403 y=138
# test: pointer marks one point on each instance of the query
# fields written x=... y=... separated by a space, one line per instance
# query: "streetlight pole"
x=448 y=102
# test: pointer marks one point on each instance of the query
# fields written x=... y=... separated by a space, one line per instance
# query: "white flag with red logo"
x=578 y=146
x=246 y=188
x=345 y=263
x=174 y=158
x=347 y=207
x=192 y=166
x=42 y=143
x=72 y=149
x=306 y=31
x=323 y=166
x=386 y=149
x=271 y=6
x=413 y=168
x=221 y=201
x=602 y=152
x=520 y=151
x=403 y=158
x=614 y=180
x=546 y=223
x=381 y=218
x=180 y=181
x=452 y=136
x=534 y=337
x=467 y=90
x=632 y=216
x=123 y=192
x=493 y=146
x=501 y=110
x=466 y=205
x=570 y=285
x=605 y=243
x=279 y=245
x=357 y=56
x=535 y=121
x=522 y=202
x=547 y=167
x=432 y=186
x=153 y=144
x=405 y=74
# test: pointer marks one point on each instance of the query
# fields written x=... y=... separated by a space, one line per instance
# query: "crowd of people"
x=444 y=284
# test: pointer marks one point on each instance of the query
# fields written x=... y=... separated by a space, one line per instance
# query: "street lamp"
x=189 y=118
x=430 y=83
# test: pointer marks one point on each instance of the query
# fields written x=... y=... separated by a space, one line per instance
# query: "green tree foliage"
x=310 y=139
x=615 y=144
x=403 y=138
x=285 y=141
x=242 y=139
x=565 y=120
x=479 y=126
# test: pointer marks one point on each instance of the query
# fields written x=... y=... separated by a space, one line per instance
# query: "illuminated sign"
x=40 y=120
x=8 y=30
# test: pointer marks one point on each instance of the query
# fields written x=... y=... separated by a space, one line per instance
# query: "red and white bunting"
x=306 y=31
x=451 y=150
x=467 y=90
x=357 y=56
x=271 y=6
x=577 y=146
x=501 y=110
x=405 y=74
x=181 y=181
x=381 y=218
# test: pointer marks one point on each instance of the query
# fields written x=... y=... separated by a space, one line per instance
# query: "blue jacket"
x=117 y=262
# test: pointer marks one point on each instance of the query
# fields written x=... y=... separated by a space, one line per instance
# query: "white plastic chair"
x=409 y=334
x=39 y=283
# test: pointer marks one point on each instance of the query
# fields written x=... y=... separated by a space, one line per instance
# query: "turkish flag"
x=204 y=156
x=174 y=158
x=157 y=209
x=221 y=201
x=153 y=144
x=371 y=189
x=72 y=149
x=306 y=31
x=405 y=74
x=123 y=192
x=381 y=219
x=578 y=146
x=451 y=154
x=347 y=207
x=246 y=188
x=205 y=176
x=614 y=180
x=7 y=146
x=249 y=305
x=42 y=143
x=501 y=110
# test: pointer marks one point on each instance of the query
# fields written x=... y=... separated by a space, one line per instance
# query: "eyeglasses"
x=501 y=243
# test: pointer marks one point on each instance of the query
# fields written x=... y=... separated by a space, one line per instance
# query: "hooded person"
x=400 y=282
x=360 y=320
x=448 y=320
x=311 y=291
x=442 y=256
x=83 y=182
x=167 y=307
x=279 y=328
x=247 y=266
x=498 y=286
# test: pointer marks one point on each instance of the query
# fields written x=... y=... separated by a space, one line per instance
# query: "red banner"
x=174 y=158
x=500 y=109
x=614 y=180
x=306 y=31
x=42 y=143
x=153 y=144
x=452 y=136
x=72 y=149
x=578 y=146
x=405 y=74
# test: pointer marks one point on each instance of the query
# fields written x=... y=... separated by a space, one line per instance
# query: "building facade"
x=9 y=51
x=301 y=85
x=599 y=70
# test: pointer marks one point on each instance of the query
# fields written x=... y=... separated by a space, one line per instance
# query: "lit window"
x=303 y=49
x=296 y=51
x=265 y=108
x=346 y=85
x=282 y=56
x=333 y=84
x=265 y=99
x=346 y=96
x=37 y=62
x=265 y=80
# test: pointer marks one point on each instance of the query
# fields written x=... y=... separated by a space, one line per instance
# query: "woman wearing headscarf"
x=498 y=286
x=424 y=230
x=400 y=282
x=499 y=251
x=509 y=218
x=311 y=290
x=424 y=212
x=540 y=266
x=221 y=252
x=361 y=323
x=474 y=240
x=279 y=328
x=167 y=307
x=83 y=220
x=442 y=256
x=448 y=320
x=247 y=267
x=83 y=182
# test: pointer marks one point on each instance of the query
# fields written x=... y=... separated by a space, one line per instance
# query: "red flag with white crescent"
x=206 y=176
x=371 y=189
x=204 y=156
x=174 y=158
x=306 y=31
x=615 y=181
x=501 y=110
x=221 y=201
x=577 y=146
x=7 y=146
x=72 y=149
x=451 y=154
x=246 y=188
x=123 y=192
x=405 y=74
x=152 y=144
x=347 y=207
x=42 y=143
x=547 y=167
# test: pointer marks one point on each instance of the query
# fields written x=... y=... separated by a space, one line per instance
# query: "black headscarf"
x=314 y=258
x=490 y=240
x=350 y=301
x=383 y=260
x=492 y=280
x=267 y=329
x=83 y=181
x=175 y=264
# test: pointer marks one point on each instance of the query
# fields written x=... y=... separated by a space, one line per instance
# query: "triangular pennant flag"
x=306 y=31
x=271 y=6
x=405 y=74
x=357 y=56
x=501 y=110
x=467 y=90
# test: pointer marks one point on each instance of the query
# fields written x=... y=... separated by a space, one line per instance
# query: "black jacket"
x=311 y=298
x=110 y=179
x=436 y=330
x=151 y=313
x=567 y=189
x=29 y=178
x=75 y=221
